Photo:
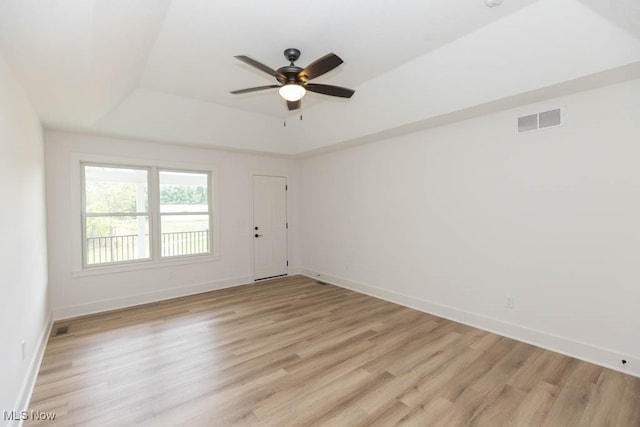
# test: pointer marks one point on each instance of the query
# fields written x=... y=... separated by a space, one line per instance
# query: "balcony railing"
x=184 y=243
x=102 y=250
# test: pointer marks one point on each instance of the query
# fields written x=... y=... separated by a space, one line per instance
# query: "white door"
x=269 y=226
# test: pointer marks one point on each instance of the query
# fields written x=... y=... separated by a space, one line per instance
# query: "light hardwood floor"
x=296 y=352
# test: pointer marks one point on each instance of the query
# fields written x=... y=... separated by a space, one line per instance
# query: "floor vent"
x=62 y=330
x=541 y=120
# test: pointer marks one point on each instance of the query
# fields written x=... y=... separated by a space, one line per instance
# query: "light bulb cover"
x=292 y=92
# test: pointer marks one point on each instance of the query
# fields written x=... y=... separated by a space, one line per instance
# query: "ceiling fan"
x=294 y=81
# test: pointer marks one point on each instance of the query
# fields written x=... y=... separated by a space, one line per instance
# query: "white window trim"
x=158 y=224
x=84 y=215
x=77 y=160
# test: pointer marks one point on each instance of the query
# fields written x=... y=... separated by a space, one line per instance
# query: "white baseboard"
x=29 y=382
x=61 y=313
x=292 y=271
x=587 y=352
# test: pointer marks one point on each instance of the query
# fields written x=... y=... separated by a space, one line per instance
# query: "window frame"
x=84 y=214
x=209 y=212
x=78 y=235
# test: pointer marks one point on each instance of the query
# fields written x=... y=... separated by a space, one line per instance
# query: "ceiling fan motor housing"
x=290 y=74
x=292 y=54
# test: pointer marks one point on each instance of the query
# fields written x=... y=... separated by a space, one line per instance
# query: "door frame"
x=252 y=231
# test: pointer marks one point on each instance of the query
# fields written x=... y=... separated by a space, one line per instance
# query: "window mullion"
x=154 y=207
x=210 y=208
x=83 y=214
x=113 y=214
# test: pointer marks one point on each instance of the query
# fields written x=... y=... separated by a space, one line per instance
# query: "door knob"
x=257 y=235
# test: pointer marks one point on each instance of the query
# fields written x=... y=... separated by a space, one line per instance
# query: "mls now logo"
x=28 y=415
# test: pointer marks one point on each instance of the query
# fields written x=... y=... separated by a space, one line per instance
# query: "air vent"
x=549 y=118
x=526 y=123
x=540 y=120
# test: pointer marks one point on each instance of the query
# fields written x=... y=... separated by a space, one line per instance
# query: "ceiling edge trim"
x=594 y=81
x=172 y=143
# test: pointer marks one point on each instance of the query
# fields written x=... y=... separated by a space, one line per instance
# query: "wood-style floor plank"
x=296 y=352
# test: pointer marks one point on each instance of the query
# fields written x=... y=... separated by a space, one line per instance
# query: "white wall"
x=454 y=220
x=74 y=292
x=24 y=306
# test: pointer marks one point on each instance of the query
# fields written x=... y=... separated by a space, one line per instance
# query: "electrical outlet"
x=172 y=275
x=508 y=303
x=24 y=350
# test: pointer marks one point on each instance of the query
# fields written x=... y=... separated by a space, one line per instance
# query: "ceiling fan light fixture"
x=294 y=80
x=292 y=92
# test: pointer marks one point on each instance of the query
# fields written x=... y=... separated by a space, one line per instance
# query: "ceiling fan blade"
x=320 y=66
x=342 y=92
x=253 y=89
x=293 y=105
x=259 y=66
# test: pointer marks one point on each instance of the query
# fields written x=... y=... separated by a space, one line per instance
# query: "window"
x=184 y=213
x=133 y=214
x=116 y=214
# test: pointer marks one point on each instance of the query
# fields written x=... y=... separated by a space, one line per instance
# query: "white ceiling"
x=163 y=69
